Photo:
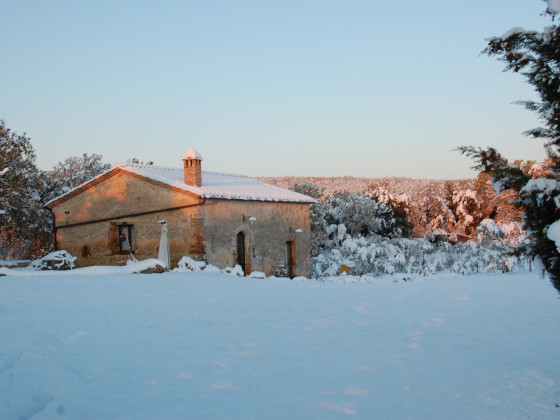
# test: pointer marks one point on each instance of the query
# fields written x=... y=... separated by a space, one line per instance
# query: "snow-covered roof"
x=192 y=154
x=214 y=185
x=218 y=185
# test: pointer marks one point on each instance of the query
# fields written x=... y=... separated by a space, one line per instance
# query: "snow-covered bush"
x=377 y=255
x=363 y=230
x=353 y=230
x=135 y=266
x=235 y=271
x=188 y=264
x=58 y=260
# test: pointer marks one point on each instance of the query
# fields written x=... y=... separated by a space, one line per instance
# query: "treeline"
x=422 y=207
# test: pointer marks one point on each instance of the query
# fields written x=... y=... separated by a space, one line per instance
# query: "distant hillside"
x=413 y=188
x=454 y=206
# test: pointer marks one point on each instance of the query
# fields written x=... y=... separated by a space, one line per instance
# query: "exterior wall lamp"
x=250 y=219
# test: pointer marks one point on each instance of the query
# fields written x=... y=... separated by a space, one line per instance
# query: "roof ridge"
x=170 y=168
x=145 y=166
x=227 y=174
x=219 y=185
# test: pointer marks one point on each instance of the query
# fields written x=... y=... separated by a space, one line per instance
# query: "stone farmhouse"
x=223 y=219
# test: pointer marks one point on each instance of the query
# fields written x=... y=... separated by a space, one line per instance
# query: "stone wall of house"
x=265 y=237
x=87 y=224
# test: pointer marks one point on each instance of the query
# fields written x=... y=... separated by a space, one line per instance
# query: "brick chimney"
x=192 y=168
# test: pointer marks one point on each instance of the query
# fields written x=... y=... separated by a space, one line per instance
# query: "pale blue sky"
x=267 y=88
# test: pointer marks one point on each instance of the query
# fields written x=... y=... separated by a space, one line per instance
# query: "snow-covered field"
x=85 y=345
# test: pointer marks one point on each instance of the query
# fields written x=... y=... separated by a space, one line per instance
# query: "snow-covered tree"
x=26 y=225
x=362 y=216
x=74 y=171
x=137 y=161
x=438 y=216
x=317 y=214
x=399 y=203
x=467 y=211
x=334 y=218
x=498 y=207
x=536 y=56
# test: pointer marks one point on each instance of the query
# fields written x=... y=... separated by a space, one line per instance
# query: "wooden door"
x=290 y=259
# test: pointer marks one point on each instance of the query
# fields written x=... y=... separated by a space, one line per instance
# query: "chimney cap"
x=192 y=154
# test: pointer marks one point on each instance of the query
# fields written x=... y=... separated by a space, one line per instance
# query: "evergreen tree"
x=498 y=207
x=486 y=195
x=536 y=56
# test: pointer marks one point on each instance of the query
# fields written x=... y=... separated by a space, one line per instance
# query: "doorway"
x=290 y=259
x=241 y=250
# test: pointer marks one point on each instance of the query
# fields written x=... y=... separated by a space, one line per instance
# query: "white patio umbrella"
x=163 y=253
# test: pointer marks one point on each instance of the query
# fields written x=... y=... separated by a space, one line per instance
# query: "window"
x=126 y=238
x=85 y=251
